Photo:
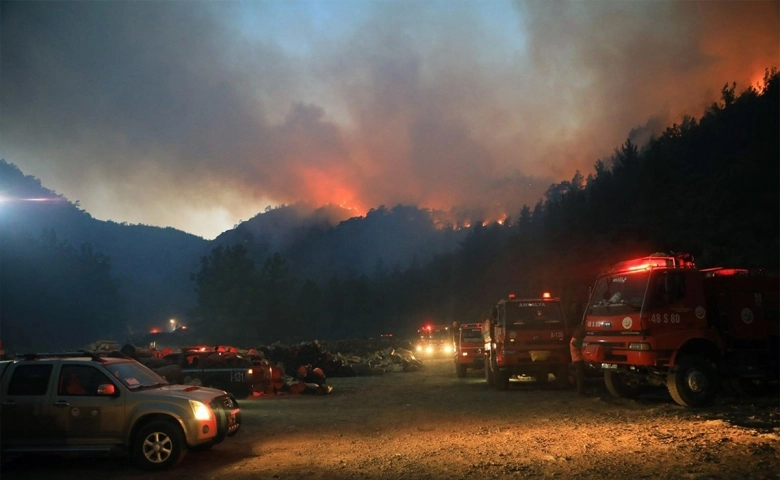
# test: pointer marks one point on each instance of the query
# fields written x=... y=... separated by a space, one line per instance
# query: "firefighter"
x=575 y=347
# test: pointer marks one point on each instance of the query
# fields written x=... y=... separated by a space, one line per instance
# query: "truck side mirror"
x=106 y=389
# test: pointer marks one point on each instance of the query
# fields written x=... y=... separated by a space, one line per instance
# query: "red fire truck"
x=468 y=348
x=527 y=337
x=658 y=320
x=434 y=341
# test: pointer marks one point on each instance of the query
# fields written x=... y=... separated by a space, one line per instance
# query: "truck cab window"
x=30 y=380
x=665 y=289
x=80 y=380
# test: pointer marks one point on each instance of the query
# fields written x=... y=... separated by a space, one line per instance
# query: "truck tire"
x=563 y=377
x=159 y=445
x=460 y=369
x=693 y=383
x=502 y=379
x=489 y=378
x=621 y=385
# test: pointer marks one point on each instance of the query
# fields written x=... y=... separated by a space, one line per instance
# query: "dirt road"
x=430 y=424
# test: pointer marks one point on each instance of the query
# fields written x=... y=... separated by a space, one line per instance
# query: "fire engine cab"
x=468 y=348
x=434 y=341
x=658 y=320
x=526 y=337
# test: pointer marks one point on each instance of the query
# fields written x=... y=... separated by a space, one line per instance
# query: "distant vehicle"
x=660 y=321
x=434 y=341
x=216 y=368
x=529 y=338
x=79 y=402
x=468 y=348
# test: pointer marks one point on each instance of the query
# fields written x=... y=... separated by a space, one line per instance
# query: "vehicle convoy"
x=81 y=402
x=529 y=338
x=434 y=341
x=658 y=320
x=468 y=348
x=215 y=368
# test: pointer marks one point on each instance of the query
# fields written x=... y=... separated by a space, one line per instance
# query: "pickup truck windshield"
x=619 y=294
x=134 y=375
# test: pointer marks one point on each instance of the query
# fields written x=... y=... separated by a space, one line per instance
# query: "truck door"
x=81 y=415
x=24 y=405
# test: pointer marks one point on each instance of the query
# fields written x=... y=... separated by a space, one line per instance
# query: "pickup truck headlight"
x=201 y=411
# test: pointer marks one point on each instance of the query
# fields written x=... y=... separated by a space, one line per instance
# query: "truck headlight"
x=201 y=411
x=639 y=346
x=447 y=349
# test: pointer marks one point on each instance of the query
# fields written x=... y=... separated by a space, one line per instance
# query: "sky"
x=201 y=114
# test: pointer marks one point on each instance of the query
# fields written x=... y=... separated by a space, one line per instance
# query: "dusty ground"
x=432 y=425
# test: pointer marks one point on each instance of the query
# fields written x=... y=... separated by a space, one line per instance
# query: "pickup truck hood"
x=193 y=392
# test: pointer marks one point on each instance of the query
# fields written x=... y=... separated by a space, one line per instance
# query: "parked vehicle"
x=660 y=321
x=526 y=337
x=468 y=348
x=215 y=368
x=82 y=402
x=434 y=341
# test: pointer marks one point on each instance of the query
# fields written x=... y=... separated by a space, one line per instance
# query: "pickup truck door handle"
x=61 y=403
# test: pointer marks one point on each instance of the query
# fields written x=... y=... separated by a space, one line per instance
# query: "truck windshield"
x=440 y=335
x=533 y=315
x=619 y=294
x=471 y=335
x=135 y=375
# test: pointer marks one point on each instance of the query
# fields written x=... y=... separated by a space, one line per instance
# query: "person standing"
x=575 y=348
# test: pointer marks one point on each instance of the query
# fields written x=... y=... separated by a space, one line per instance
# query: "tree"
x=226 y=286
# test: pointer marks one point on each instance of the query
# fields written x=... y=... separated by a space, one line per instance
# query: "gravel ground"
x=430 y=424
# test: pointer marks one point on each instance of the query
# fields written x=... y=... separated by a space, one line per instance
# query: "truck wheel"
x=621 y=385
x=562 y=377
x=501 y=379
x=693 y=383
x=460 y=370
x=489 y=373
x=159 y=445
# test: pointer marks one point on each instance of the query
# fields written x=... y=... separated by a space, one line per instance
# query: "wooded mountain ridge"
x=710 y=187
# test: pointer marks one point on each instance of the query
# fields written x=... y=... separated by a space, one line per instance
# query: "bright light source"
x=200 y=411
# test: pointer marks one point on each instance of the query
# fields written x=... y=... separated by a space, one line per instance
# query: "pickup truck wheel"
x=159 y=446
x=620 y=385
x=693 y=383
x=460 y=369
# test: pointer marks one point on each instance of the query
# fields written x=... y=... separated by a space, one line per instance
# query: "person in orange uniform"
x=575 y=347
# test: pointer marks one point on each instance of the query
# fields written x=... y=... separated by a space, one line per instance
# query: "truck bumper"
x=595 y=353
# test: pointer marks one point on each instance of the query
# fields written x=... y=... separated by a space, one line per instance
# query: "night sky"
x=198 y=115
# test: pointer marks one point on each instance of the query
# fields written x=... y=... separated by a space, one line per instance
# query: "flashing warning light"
x=546 y=295
x=511 y=296
x=653 y=261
